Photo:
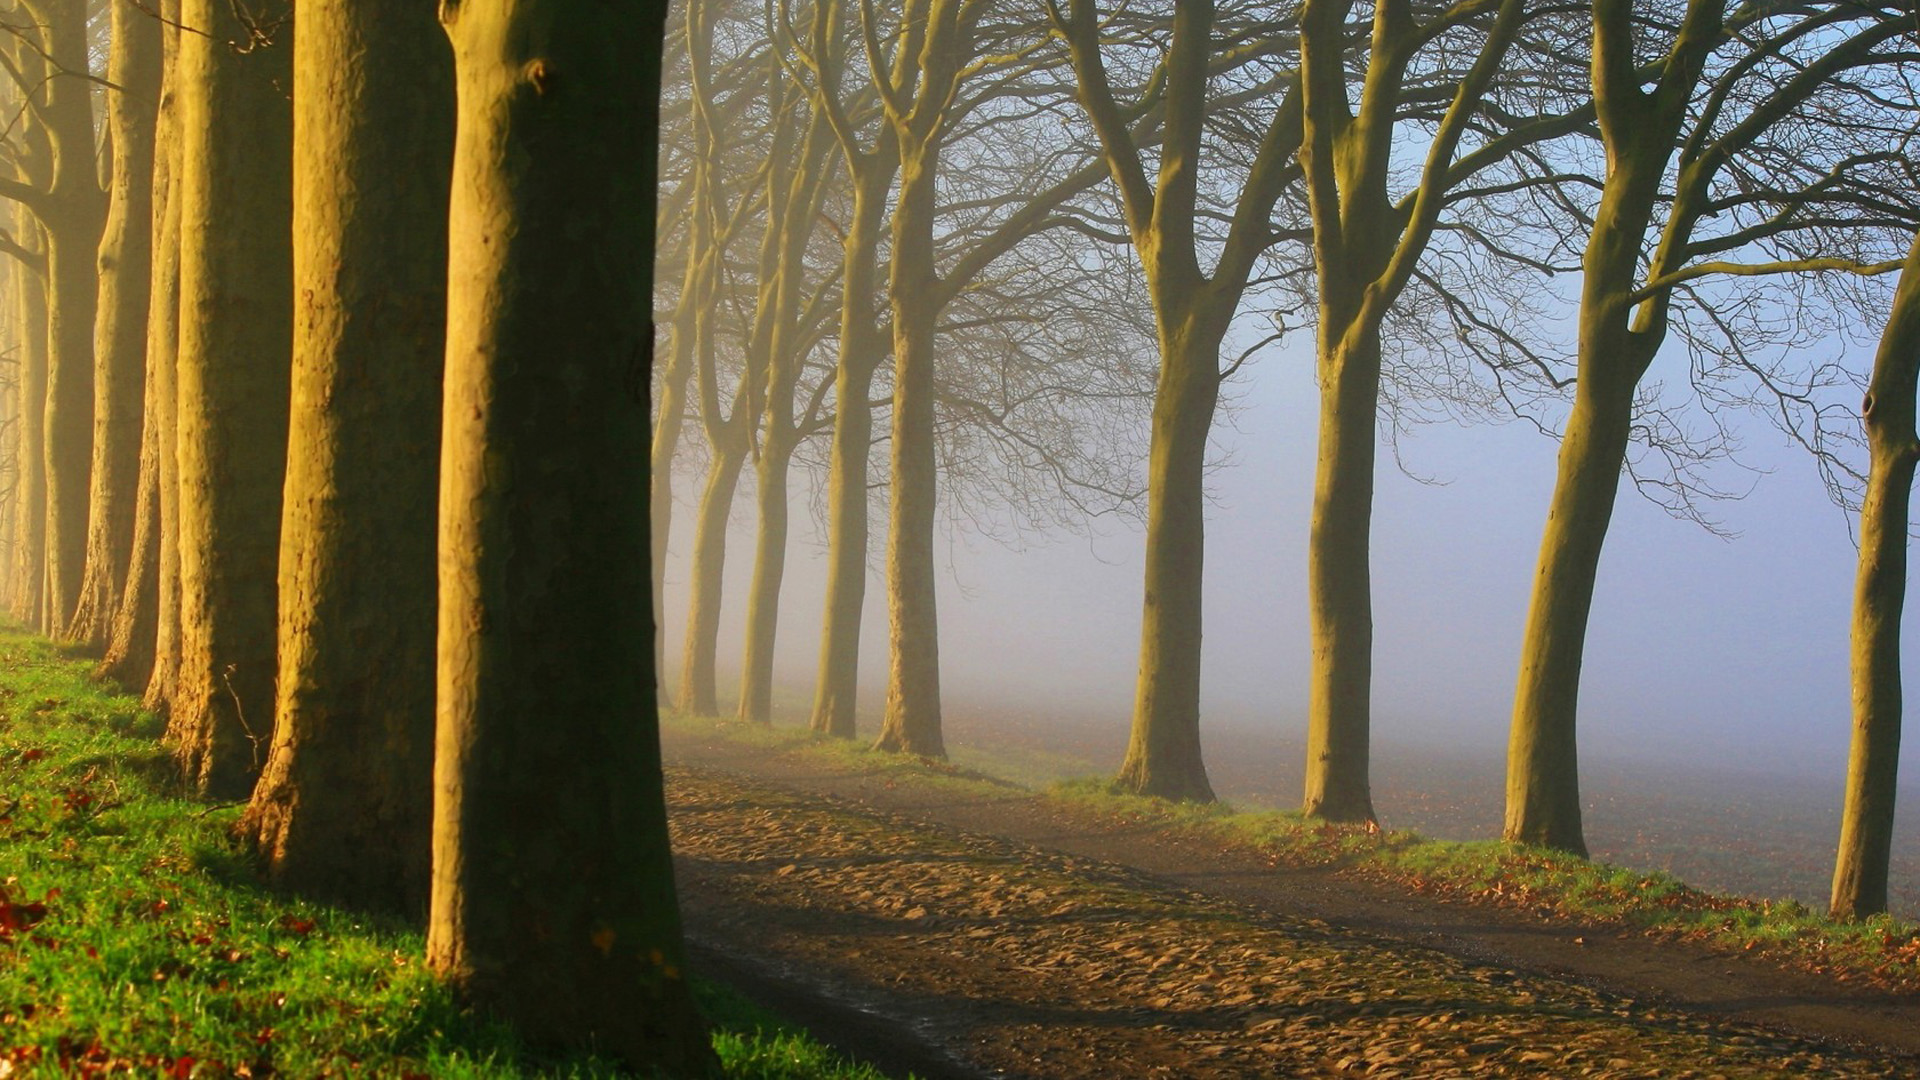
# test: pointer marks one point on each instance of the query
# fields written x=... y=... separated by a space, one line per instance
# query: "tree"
x=133 y=642
x=236 y=300
x=796 y=195
x=373 y=134
x=1879 y=595
x=49 y=62
x=1734 y=123
x=163 y=347
x=872 y=160
x=1366 y=246
x=728 y=426
x=1193 y=310
x=916 y=96
x=547 y=709
x=125 y=275
x=703 y=242
x=28 y=573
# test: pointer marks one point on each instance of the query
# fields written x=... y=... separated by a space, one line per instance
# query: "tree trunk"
x=912 y=721
x=132 y=641
x=125 y=277
x=69 y=414
x=163 y=346
x=236 y=295
x=373 y=146
x=698 y=691
x=1163 y=753
x=769 y=569
x=29 y=570
x=1543 y=776
x=1339 y=585
x=835 y=706
x=1879 y=596
x=74 y=213
x=553 y=902
x=795 y=198
x=665 y=445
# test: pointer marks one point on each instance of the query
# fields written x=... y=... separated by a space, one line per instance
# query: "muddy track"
x=955 y=933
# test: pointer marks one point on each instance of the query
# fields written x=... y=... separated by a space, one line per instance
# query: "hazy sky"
x=1728 y=653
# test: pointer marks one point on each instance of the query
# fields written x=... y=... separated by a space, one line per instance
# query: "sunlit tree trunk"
x=1618 y=339
x=798 y=197
x=125 y=275
x=1879 y=596
x=29 y=569
x=132 y=642
x=707 y=571
x=1367 y=242
x=163 y=343
x=1192 y=312
x=727 y=427
x=73 y=211
x=1543 y=775
x=236 y=297
x=1339 y=579
x=769 y=570
x=373 y=144
x=911 y=723
x=553 y=902
x=1163 y=752
x=912 y=720
x=837 y=685
x=671 y=420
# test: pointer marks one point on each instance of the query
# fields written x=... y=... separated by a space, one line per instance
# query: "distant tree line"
x=331 y=351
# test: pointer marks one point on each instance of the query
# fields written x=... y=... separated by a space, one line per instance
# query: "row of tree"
x=356 y=308
x=283 y=281
x=1414 y=181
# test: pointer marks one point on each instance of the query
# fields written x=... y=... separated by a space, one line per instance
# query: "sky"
x=1726 y=654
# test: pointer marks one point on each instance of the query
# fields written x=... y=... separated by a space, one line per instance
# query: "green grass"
x=134 y=934
x=1883 y=951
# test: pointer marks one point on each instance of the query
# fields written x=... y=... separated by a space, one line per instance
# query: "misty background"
x=1714 y=694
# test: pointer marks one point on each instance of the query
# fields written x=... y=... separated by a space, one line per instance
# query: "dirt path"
x=953 y=932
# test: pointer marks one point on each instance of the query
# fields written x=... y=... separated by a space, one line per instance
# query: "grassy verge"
x=135 y=938
x=1882 y=951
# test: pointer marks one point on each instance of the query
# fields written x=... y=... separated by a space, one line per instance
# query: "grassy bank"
x=134 y=936
x=1882 y=951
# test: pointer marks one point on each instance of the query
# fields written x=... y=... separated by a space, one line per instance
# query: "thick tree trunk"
x=836 y=688
x=1543 y=776
x=236 y=296
x=1163 y=753
x=29 y=569
x=125 y=276
x=68 y=428
x=373 y=145
x=553 y=902
x=837 y=685
x=132 y=641
x=1339 y=583
x=163 y=346
x=74 y=213
x=1879 y=597
x=769 y=570
x=912 y=721
x=698 y=680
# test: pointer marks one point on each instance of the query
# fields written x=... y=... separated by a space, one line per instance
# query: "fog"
x=1703 y=653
